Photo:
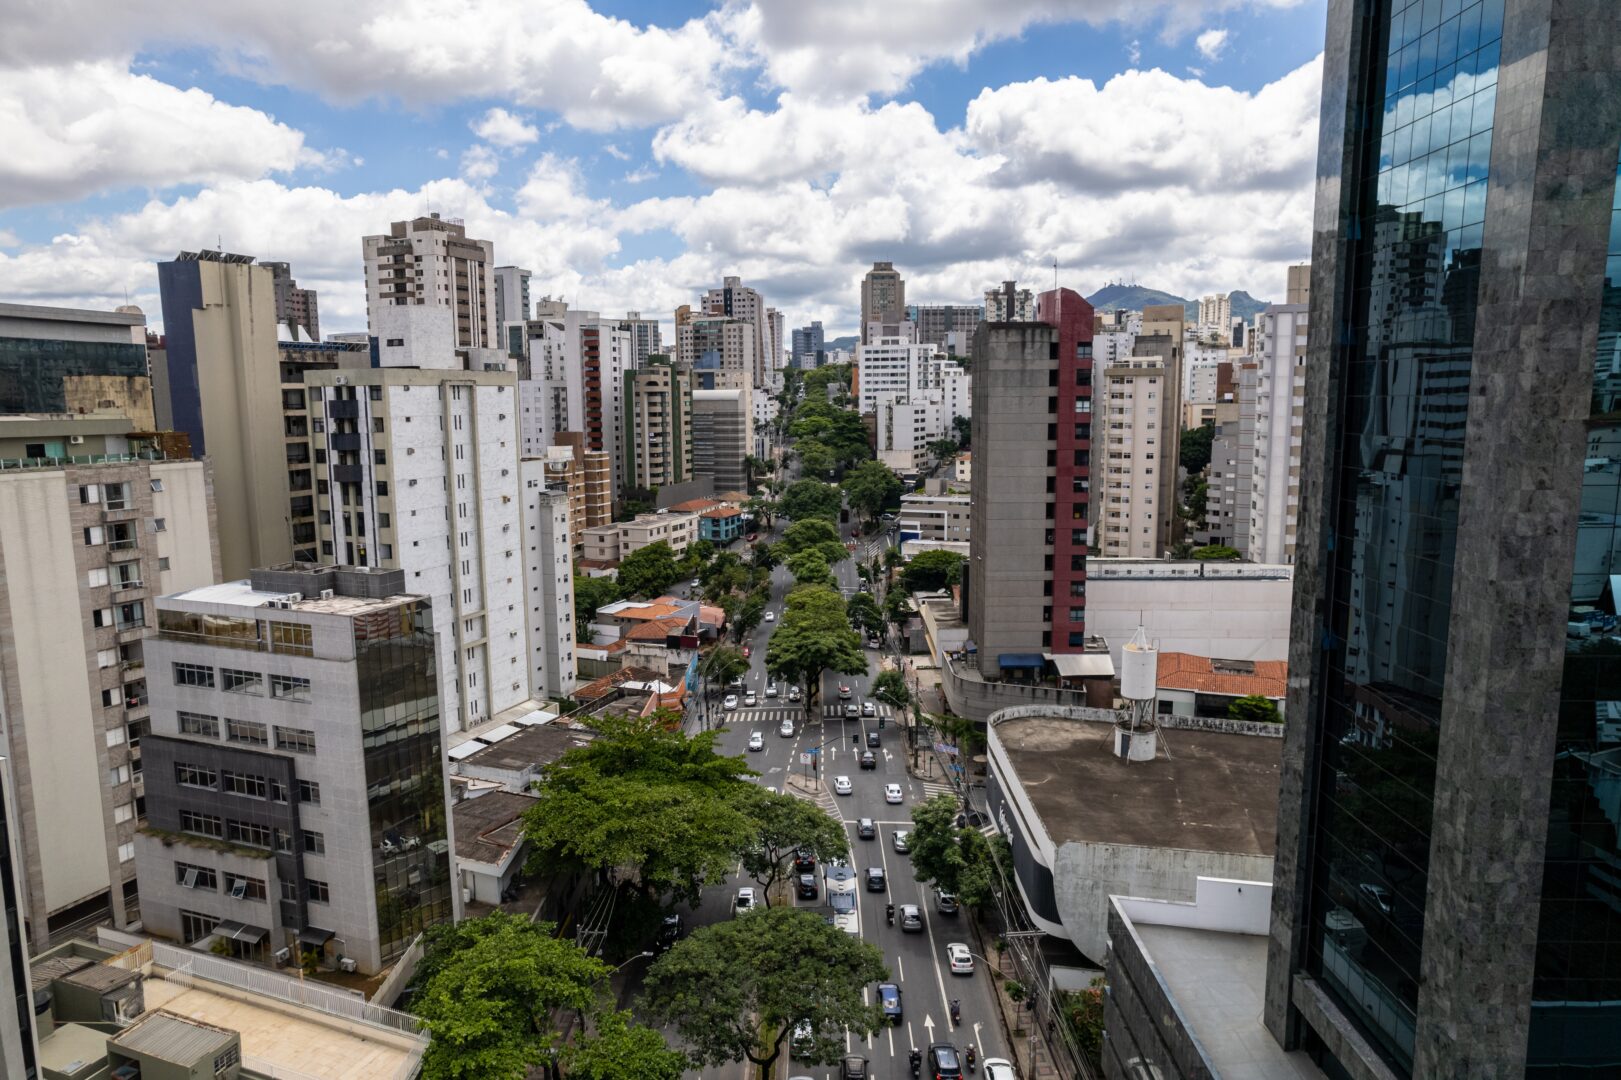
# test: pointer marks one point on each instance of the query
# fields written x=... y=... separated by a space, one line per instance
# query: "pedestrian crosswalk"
x=931 y=788
x=834 y=711
x=762 y=717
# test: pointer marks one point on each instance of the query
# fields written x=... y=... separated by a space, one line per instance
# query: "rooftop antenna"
x=1055 y=272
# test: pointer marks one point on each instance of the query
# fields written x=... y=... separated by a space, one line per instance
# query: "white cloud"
x=642 y=175
x=614 y=152
x=80 y=128
x=1211 y=43
x=480 y=163
x=504 y=129
x=1134 y=52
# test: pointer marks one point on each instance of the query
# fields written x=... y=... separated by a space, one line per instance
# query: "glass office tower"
x=1450 y=683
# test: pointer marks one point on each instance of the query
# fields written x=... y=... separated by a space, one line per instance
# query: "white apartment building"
x=645 y=337
x=891 y=365
x=85 y=550
x=914 y=392
x=419 y=470
x=432 y=262
x=934 y=517
x=904 y=431
x=775 y=358
x=1114 y=334
x=548 y=579
x=734 y=300
x=616 y=541
x=1277 y=405
x=511 y=295
x=1001 y=307
x=1137 y=425
x=1215 y=315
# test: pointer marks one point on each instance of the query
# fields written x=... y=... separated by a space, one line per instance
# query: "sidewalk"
x=1031 y=1059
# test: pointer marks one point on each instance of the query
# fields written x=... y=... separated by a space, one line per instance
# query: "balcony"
x=343 y=410
x=122 y=550
x=119 y=512
x=348 y=474
x=349 y=441
x=131 y=669
x=128 y=585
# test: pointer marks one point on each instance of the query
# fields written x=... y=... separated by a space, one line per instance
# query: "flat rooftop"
x=1211 y=792
x=243 y=594
x=278 y=1036
x=541 y=744
x=1218 y=981
x=489 y=826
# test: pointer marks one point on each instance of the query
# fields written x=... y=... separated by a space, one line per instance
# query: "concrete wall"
x=1231 y=618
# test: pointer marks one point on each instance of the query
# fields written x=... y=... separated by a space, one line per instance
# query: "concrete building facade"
x=722 y=436
x=431 y=262
x=1143 y=433
x=1009 y=304
x=808 y=343
x=883 y=297
x=296 y=309
x=549 y=579
x=645 y=337
x=511 y=295
x=936 y=323
x=735 y=300
x=656 y=441
x=1275 y=395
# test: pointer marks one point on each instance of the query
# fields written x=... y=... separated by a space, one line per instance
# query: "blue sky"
x=630 y=153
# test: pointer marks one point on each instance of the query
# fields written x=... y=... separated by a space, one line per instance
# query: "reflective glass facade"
x=32 y=369
x=405 y=785
x=1415 y=244
x=1576 y=995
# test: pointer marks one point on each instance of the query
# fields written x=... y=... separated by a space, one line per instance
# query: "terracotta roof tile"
x=1185 y=671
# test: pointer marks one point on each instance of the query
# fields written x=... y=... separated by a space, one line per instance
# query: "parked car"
x=730 y=702
x=876 y=881
x=751 y=699
x=869 y=760
x=889 y=998
x=961 y=960
x=841 y=785
x=752 y=537
x=804 y=861
x=854 y=1067
x=865 y=829
x=747 y=652
x=771 y=689
x=1000 y=1069
x=902 y=839
x=911 y=919
x=802 y=1040
x=892 y=793
x=945 y=903
x=670 y=932
x=868 y=709
x=807 y=887
x=756 y=741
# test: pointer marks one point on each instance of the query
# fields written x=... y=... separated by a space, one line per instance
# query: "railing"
x=80 y=459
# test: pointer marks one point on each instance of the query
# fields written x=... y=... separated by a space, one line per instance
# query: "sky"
x=630 y=153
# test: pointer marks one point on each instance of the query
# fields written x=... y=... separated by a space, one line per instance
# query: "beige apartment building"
x=420 y=268
x=1141 y=436
x=657 y=429
x=883 y=297
x=616 y=541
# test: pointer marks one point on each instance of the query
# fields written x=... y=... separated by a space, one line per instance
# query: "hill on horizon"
x=1118 y=297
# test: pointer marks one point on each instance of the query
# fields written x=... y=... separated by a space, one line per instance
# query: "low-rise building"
x=934 y=517
x=677 y=530
x=721 y=525
x=1205 y=686
x=490 y=845
x=600 y=544
x=963 y=468
x=1192 y=606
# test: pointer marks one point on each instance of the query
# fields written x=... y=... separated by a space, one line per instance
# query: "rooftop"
x=243 y=594
x=1206 y=791
x=175 y=1039
x=693 y=506
x=1230 y=678
x=126 y=316
x=540 y=744
x=488 y=827
x=657 y=629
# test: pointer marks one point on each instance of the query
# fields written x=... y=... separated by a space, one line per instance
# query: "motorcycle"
x=889 y=913
x=969 y=1055
x=916 y=1058
x=956 y=1013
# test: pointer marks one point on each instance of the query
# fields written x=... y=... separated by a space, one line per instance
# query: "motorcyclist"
x=916 y=1058
x=889 y=913
x=969 y=1055
x=956 y=1012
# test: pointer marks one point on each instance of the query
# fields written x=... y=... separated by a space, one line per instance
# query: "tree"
x=735 y=990
x=643 y=797
x=630 y=508
x=1196 y=498
x=752 y=467
x=749 y=615
x=814 y=534
x=814 y=636
x=649 y=571
x=618 y=1048
x=722 y=664
x=766 y=556
x=940 y=449
x=788 y=824
x=932 y=570
x=492 y=986
x=897 y=608
x=811 y=499
x=936 y=855
x=870 y=487
x=762 y=510
x=891 y=689
x=591 y=593
x=816 y=458
x=964 y=429
x=865 y=614
x=1255 y=707
x=1216 y=553
x=809 y=568
x=1195 y=452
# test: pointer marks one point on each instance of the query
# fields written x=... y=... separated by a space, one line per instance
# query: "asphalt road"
x=916 y=960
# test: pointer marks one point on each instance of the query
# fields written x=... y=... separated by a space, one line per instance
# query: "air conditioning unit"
x=283 y=957
x=347 y=964
x=340 y=380
x=327 y=594
x=76 y=440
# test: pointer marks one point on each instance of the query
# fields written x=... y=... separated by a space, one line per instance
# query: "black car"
x=945 y=903
x=869 y=760
x=670 y=932
x=943 y=1062
x=853 y=1067
x=873 y=740
x=875 y=879
x=865 y=829
x=807 y=887
x=804 y=862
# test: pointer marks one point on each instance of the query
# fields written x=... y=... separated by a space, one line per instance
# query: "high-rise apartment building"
x=295 y=789
x=84 y=551
x=808 y=345
x=1215 y=315
x=1114 y=335
x=734 y=300
x=722 y=436
x=883 y=297
x=561 y=472
x=1025 y=582
x=298 y=358
x=1009 y=304
x=219 y=380
x=1448 y=832
x=430 y=263
x=19 y=1039
x=720 y=352
x=937 y=322
x=890 y=363
x=1272 y=403
x=657 y=435
x=1142 y=414
x=548 y=517
x=645 y=337
x=1298 y=290
x=418 y=470
x=596 y=479
x=775 y=358
x=511 y=296
x=296 y=309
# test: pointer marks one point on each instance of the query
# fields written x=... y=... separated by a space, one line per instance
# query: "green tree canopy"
x=618 y=1047
x=591 y=593
x=644 y=797
x=864 y=613
x=963 y=427
x=870 y=487
x=749 y=614
x=1216 y=553
x=736 y=989
x=936 y=854
x=786 y=824
x=650 y=571
x=814 y=534
x=809 y=568
x=1195 y=452
x=1256 y=707
x=811 y=499
x=931 y=570
x=722 y=664
x=816 y=458
x=766 y=556
x=897 y=607
x=890 y=688
x=814 y=636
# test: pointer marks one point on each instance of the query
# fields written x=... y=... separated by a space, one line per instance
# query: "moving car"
x=786 y=729
x=841 y=785
x=911 y=919
x=873 y=642
x=756 y=741
x=903 y=840
x=807 y=888
x=853 y=1067
x=670 y=932
x=751 y=698
x=865 y=829
x=696 y=584
x=873 y=740
x=771 y=689
x=771 y=616
x=962 y=961
x=752 y=537
x=892 y=793
x=868 y=709
x=736 y=683
x=744 y=901
x=747 y=652
x=945 y=903
x=851 y=712
x=889 y=997
x=793 y=693
x=1000 y=1069
x=869 y=760
x=875 y=879
x=943 y=1062
x=844 y=692
x=730 y=702
x=804 y=861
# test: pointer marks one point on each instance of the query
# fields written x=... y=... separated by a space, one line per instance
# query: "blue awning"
x=1021 y=660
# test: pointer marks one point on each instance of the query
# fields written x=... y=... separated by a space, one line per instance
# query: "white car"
x=771 y=616
x=696 y=584
x=786 y=729
x=730 y=702
x=750 y=699
x=868 y=709
x=962 y=961
x=745 y=902
x=841 y=785
x=756 y=741
x=892 y=793
x=793 y=693
x=1000 y=1069
x=771 y=690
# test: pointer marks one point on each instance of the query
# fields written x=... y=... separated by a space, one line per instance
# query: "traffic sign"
x=807 y=757
x=945 y=748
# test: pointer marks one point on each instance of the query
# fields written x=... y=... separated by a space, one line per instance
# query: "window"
x=194 y=925
x=295 y=638
x=163 y=562
x=278 y=791
x=97 y=577
x=118 y=774
x=309 y=792
x=115 y=496
x=396 y=342
x=382 y=488
x=202 y=824
x=245 y=888
x=92 y=536
x=247 y=731
x=1077 y=639
x=1077 y=588
x=123 y=812
x=379 y=457
x=318 y=891
x=375 y=392
x=289 y=688
x=157 y=485
x=284 y=842
x=289 y=891
x=196 y=877
x=192 y=723
x=236 y=681
x=254 y=787
x=188 y=775
x=298 y=740
x=126 y=852
x=1077 y=614
x=193 y=675
x=248 y=832
x=314 y=843
x=89 y=493
x=159 y=525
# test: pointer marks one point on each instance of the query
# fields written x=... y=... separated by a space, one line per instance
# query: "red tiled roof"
x=722 y=512
x=656 y=629
x=693 y=505
x=661 y=608
x=1185 y=671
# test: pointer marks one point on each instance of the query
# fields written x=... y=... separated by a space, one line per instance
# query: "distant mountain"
x=848 y=343
x=1246 y=306
x=1136 y=297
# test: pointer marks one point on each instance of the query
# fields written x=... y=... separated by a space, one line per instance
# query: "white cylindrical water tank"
x=1139 y=668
